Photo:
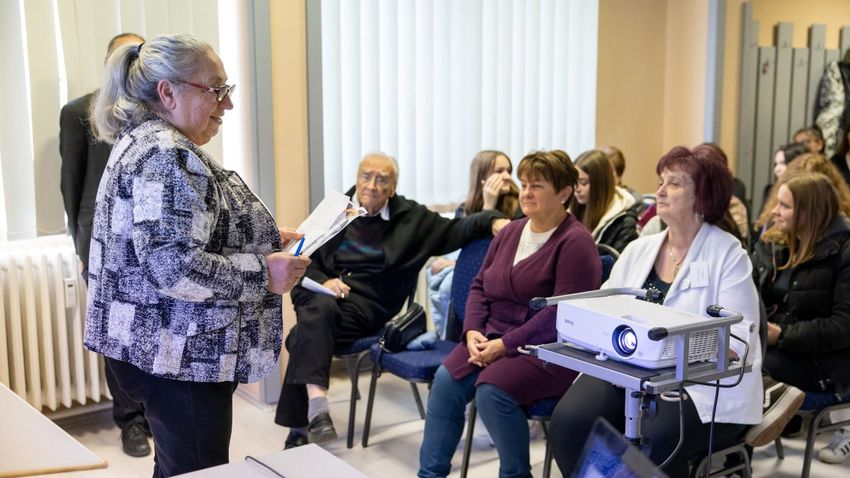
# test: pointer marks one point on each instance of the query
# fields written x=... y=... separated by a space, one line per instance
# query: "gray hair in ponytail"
x=129 y=92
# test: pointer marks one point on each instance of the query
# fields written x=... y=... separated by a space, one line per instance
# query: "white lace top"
x=531 y=242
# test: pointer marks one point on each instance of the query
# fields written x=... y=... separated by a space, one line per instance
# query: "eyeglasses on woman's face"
x=220 y=92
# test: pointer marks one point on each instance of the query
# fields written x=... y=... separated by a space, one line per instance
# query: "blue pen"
x=300 y=245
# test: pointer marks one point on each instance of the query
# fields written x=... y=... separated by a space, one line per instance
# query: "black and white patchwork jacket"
x=178 y=277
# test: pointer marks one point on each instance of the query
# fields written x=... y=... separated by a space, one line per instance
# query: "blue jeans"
x=444 y=423
x=440 y=295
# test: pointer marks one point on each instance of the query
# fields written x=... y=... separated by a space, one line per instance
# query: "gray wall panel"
x=315 y=132
x=746 y=98
x=799 y=84
x=782 y=85
x=762 y=169
x=778 y=90
x=831 y=55
x=817 y=34
x=844 y=40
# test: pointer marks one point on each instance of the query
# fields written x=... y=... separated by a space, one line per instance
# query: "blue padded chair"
x=421 y=365
x=415 y=366
x=466 y=268
x=353 y=356
x=608 y=255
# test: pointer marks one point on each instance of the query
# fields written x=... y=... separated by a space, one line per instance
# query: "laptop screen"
x=607 y=454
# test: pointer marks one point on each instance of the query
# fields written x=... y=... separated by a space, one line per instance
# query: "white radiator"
x=42 y=311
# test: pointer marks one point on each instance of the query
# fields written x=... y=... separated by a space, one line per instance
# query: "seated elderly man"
x=372 y=267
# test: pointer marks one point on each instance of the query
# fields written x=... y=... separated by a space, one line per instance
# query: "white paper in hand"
x=314 y=286
x=326 y=221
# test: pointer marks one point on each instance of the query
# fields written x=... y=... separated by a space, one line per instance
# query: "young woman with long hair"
x=812 y=163
x=607 y=210
x=491 y=187
x=802 y=270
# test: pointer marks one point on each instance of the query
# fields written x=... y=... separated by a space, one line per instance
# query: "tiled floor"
x=394 y=442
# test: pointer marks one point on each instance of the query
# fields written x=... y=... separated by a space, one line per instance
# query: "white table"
x=31 y=444
x=308 y=461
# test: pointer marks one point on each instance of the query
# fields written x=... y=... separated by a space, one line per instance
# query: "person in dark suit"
x=83 y=161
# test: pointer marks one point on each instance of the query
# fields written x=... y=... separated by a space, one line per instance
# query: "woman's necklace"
x=676 y=261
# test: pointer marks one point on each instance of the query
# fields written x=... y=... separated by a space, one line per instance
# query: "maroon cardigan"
x=498 y=307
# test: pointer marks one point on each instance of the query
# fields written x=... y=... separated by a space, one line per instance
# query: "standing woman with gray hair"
x=185 y=276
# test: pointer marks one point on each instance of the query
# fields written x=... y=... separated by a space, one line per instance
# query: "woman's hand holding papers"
x=284 y=271
x=288 y=234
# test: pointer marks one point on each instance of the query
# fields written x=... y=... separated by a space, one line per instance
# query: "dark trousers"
x=323 y=324
x=191 y=421
x=125 y=411
x=590 y=397
x=799 y=371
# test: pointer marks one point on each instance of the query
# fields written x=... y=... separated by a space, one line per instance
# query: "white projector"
x=618 y=327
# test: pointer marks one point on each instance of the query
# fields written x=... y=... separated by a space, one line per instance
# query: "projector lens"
x=625 y=340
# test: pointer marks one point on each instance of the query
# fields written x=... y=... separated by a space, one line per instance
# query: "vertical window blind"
x=53 y=51
x=433 y=82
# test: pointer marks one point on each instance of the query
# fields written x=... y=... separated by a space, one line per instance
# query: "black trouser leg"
x=125 y=410
x=795 y=370
x=191 y=421
x=323 y=323
x=573 y=418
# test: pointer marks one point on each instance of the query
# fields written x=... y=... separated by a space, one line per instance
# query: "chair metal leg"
x=376 y=370
x=351 y=368
x=352 y=413
x=467 y=447
x=354 y=374
x=748 y=466
x=418 y=400
x=547 y=457
x=780 y=450
x=810 y=442
x=814 y=431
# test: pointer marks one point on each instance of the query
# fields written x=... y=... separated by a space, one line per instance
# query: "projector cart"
x=639 y=382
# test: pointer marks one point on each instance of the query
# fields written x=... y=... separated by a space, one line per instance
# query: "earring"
x=699 y=217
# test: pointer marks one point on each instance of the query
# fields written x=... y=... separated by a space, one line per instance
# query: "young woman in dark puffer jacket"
x=802 y=270
x=608 y=211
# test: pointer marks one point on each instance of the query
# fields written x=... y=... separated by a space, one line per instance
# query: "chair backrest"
x=762 y=327
x=608 y=255
x=648 y=211
x=466 y=268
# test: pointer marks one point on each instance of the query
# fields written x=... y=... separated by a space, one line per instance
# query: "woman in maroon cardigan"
x=547 y=253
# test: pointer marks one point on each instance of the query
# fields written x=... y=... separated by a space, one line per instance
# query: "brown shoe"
x=776 y=417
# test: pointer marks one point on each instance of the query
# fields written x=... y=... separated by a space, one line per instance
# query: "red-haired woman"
x=693 y=264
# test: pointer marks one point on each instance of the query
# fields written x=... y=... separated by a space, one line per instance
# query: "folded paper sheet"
x=326 y=221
